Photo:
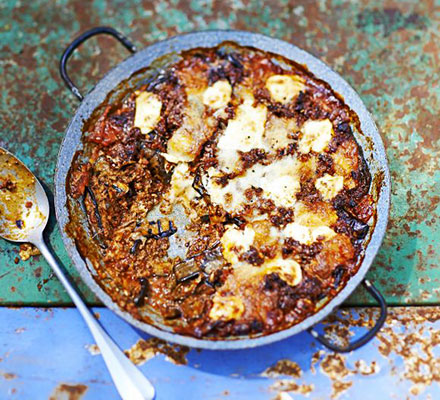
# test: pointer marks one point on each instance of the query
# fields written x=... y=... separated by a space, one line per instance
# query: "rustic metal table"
x=387 y=50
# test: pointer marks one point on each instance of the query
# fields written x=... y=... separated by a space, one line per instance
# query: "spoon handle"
x=130 y=382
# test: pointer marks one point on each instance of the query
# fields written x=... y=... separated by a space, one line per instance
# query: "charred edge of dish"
x=80 y=237
x=232 y=58
x=88 y=252
x=81 y=243
x=219 y=72
x=359 y=228
x=89 y=191
x=338 y=275
x=163 y=76
x=223 y=50
x=83 y=208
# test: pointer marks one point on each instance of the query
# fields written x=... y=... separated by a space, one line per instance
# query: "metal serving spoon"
x=24 y=211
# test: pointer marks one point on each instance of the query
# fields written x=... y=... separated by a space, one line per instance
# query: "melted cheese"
x=283 y=88
x=226 y=307
x=316 y=136
x=316 y=215
x=243 y=133
x=288 y=270
x=181 y=147
x=329 y=186
x=218 y=95
x=236 y=241
x=186 y=141
x=147 y=115
x=279 y=181
x=345 y=160
x=277 y=134
x=308 y=234
x=309 y=226
x=181 y=185
x=170 y=158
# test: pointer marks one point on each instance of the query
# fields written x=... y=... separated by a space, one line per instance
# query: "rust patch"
x=144 y=350
x=337 y=326
x=283 y=367
x=340 y=387
x=315 y=359
x=43 y=282
x=283 y=396
x=407 y=334
x=390 y=20
x=26 y=57
x=93 y=349
x=37 y=272
x=8 y=375
x=333 y=365
x=287 y=385
x=415 y=345
x=364 y=369
x=66 y=391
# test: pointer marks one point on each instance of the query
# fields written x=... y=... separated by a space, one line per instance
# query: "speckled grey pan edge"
x=375 y=156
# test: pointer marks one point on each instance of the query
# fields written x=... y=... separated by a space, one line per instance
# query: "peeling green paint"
x=387 y=50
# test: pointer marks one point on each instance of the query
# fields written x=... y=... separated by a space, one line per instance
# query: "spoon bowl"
x=24 y=211
x=24 y=208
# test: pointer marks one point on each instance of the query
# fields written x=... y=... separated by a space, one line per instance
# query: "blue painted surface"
x=45 y=347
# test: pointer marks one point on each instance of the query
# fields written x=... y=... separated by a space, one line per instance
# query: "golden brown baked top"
x=227 y=193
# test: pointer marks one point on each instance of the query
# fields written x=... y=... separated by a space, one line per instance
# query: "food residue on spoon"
x=7 y=184
x=18 y=206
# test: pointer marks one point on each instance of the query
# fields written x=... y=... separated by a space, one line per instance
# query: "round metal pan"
x=369 y=140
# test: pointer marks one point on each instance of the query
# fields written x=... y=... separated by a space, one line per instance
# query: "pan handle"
x=369 y=335
x=81 y=39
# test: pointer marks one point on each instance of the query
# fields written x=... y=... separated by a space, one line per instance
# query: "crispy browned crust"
x=124 y=177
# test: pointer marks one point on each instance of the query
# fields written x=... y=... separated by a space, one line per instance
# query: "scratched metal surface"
x=387 y=50
x=402 y=362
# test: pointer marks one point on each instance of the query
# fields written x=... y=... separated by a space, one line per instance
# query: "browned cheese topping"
x=226 y=194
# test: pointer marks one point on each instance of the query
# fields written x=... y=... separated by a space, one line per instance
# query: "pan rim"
x=211 y=38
